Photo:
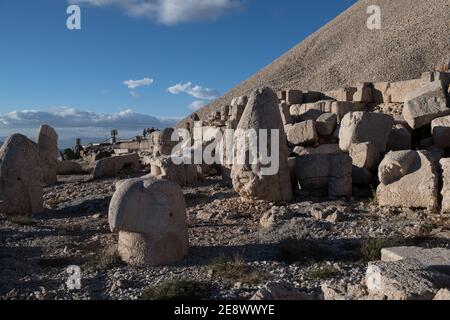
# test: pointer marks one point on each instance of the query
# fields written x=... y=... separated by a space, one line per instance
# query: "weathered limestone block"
x=112 y=166
x=399 y=139
x=437 y=259
x=303 y=133
x=322 y=149
x=365 y=155
x=401 y=280
x=363 y=92
x=398 y=91
x=47 y=141
x=285 y=113
x=312 y=96
x=342 y=94
x=311 y=114
x=425 y=104
x=21 y=190
x=182 y=173
x=341 y=108
x=252 y=179
x=325 y=172
x=409 y=179
x=150 y=216
x=357 y=127
x=326 y=124
x=440 y=128
x=445 y=165
x=69 y=167
x=298 y=110
x=380 y=92
x=294 y=97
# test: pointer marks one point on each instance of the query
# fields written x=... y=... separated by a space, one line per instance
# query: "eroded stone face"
x=409 y=180
x=262 y=112
x=150 y=216
x=440 y=128
x=21 y=182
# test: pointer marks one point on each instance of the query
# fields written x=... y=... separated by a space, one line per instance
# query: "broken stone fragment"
x=399 y=139
x=440 y=128
x=437 y=259
x=406 y=279
x=409 y=180
x=425 y=104
x=21 y=191
x=303 y=133
x=326 y=124
x=357 y=127
x=109 y=167
x=48 y=150
x=150 y=216
x=365 y=155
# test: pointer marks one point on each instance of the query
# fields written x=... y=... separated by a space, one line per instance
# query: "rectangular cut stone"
x=325 y=172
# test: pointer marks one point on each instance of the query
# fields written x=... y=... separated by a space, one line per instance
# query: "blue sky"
x=197 y=48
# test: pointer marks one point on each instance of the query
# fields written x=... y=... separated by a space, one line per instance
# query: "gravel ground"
x=311 y=242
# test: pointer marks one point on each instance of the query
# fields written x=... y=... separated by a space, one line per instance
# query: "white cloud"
x=65 y=117
x=197 y=105
x=195 y=91
x=171 y=12
x=134 y=94
x=133 y=84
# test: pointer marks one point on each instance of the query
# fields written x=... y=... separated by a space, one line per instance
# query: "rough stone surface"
x=69 y=167
x=112 y=166
x=425 y=104
x=285 y=114
x=440 y=128
x=357 y=127
x=165 y=168
x=330 y=172
x=445 y=165
x=251 y=180
x=150 y=216
x=399 y=139
x=436 y=258
x=303 y=133
x=365 y=155
x=443 y=295
x=274 y=291
x=409 y=179
x=21 y=190
x=47 y=141
x=402 y=280
x=326 y=124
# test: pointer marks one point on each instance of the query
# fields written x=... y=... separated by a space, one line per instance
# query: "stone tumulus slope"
x=414 y=37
